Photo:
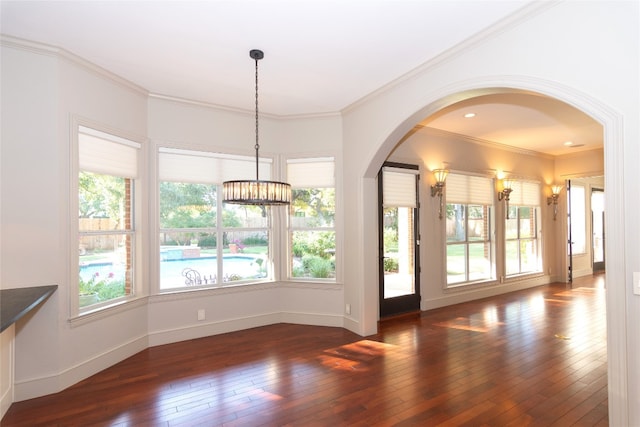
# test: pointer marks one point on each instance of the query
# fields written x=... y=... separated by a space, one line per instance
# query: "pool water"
x=188 y=271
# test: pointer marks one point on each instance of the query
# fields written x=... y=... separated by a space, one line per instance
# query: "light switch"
x=636 y=283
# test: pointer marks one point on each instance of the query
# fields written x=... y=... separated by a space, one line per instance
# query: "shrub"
x=314 y=266
x=320 y=268
x=103 y=289
x=255 y=240
x=208 y=242
x=390 y=265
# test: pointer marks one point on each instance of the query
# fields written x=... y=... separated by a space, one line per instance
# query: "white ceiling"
x=320 y=55
x=523 y=120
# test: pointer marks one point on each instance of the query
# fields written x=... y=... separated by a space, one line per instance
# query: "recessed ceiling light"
x=469 y=115
x=568 y=143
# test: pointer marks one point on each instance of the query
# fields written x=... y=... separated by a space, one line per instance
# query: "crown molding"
x=485 y=143
x=60 y=53
x=220 y=107
x=522 y=15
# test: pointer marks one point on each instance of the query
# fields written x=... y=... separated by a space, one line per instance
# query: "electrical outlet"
x=636 y=283
x=347 y=308
x=201 y=315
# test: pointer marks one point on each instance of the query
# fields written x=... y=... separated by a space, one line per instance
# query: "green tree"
x=316 y=203
x=185 y=205
x=100 y=196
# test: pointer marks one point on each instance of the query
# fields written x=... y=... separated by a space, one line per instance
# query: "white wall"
x=29 y=156
x=42 y=91
x=45 y=93
x=562 y=51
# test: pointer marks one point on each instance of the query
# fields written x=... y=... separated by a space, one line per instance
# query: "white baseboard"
x=583 y=272
x=231 y=325
x=36 y=387
x=331 y=320
x=190 y=332
x=352 y=325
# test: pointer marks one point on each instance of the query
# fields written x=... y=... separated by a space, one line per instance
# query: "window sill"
x=493 y=282
x=311 y=284
x=523 y=276
x=465 y=286
x=189 y=293
x=107 y=311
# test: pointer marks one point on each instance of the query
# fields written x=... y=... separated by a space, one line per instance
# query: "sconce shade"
x=440 y=175
x=507 y=184
x=555 y=189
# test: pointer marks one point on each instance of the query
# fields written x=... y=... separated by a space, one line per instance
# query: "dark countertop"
x=15 y=303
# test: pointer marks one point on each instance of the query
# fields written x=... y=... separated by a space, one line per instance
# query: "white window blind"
x=468 y=189
x=312 y=172
x=525 y=193
x=399 y=187
x=102 y=153
x=208 y=168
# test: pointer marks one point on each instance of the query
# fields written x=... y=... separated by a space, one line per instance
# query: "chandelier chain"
x=257 y=147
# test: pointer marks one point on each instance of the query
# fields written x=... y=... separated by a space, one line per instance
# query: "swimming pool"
x=190 y=271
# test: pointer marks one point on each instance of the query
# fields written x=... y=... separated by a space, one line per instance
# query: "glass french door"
x=597 y=228
x=569 y=237
x=398 y=239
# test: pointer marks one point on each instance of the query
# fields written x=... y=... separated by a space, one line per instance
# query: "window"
x=108 y=168
x=468 y=229
x=312 y=236
x=204 y=242
x=522 y=249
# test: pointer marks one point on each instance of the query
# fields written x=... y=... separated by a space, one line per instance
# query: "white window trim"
x=272 y=227
x=491 y=237
x=139 y=292
x=338 y=226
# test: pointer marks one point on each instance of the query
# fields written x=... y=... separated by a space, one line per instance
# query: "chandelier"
x=256 y=192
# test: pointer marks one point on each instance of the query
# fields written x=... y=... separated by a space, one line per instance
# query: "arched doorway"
x=613 y=142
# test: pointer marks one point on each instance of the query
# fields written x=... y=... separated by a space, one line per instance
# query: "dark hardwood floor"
x=535 y=357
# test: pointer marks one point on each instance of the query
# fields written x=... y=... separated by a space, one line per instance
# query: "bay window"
x=312 y=235
x=203 y=241
x=107 y=232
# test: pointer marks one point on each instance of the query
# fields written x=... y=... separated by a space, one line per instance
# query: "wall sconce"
x=555 y=194
x=436 y=190
x=507 y=188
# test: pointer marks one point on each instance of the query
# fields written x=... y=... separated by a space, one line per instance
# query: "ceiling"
x=321 y=56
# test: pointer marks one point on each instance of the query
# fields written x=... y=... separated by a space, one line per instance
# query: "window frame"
x=202 y=154
x=489 y=239
x=524 y=199
x=291 y=228
x=137 y=210
x=467 y=242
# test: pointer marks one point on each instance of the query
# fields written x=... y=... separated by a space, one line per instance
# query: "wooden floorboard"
x=528 y=358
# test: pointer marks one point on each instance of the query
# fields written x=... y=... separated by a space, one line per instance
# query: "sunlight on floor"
x=468 y=324
x=354 y=356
